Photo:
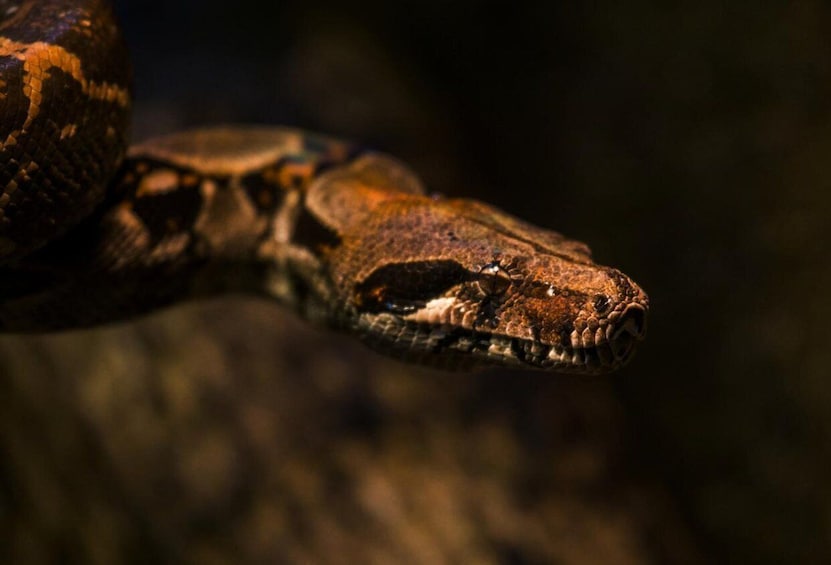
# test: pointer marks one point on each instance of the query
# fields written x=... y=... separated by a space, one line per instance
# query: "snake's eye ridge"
x=493 y=280
x=403 y=288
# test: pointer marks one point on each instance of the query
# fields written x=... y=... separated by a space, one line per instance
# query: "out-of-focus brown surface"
x=231 y=434
x=688 y=146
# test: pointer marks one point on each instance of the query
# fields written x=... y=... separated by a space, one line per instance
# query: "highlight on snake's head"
x=459 y=284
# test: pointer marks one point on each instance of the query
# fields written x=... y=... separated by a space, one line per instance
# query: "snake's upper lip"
x=609 y=347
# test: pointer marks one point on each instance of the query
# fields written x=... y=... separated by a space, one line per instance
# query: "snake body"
x=91 y=232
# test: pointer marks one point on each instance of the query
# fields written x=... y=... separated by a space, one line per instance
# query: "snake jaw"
x=444 y=333
x=447 y=347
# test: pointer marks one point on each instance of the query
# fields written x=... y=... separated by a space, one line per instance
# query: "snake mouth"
x=607 y=347
x=599 y=348
x=448 y=347
x=629 y=329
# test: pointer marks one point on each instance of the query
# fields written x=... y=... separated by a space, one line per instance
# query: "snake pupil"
x=493 y=280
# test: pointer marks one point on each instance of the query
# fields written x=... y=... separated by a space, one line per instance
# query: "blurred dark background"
x=688 y=144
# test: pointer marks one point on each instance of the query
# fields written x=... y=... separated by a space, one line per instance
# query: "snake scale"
x=93 y=232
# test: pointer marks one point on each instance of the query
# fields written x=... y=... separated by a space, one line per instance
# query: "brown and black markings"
x=65 y=103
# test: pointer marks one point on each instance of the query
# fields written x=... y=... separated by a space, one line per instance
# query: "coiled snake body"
x=91 y=232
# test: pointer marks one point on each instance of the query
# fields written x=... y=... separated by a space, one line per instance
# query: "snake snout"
x=629 y=329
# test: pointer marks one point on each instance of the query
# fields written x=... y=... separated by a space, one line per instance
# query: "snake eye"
x=493 y=280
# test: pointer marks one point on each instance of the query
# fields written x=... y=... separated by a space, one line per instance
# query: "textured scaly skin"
x=64 y=116
x=345 y=237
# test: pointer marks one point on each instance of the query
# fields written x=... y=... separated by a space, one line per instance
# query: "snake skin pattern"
x=92 y=233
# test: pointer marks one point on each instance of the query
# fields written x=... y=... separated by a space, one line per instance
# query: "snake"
x=94 y=230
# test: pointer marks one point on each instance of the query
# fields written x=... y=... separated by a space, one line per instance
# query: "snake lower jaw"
x=454 y=348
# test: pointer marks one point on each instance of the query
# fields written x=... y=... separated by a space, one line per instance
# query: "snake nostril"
x=630 y=328
x=634 y=320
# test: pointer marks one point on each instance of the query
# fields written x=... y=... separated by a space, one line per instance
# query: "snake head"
x=459 y=284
